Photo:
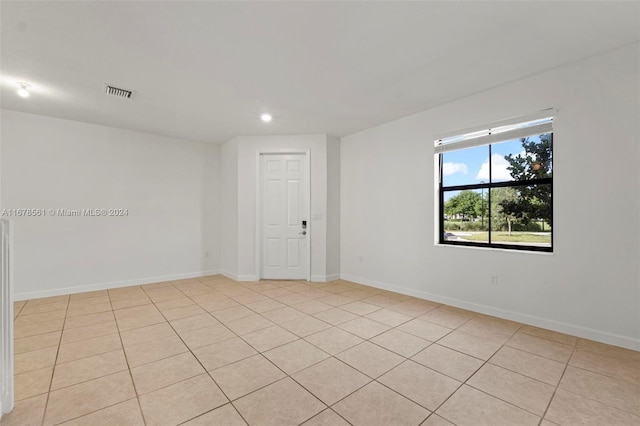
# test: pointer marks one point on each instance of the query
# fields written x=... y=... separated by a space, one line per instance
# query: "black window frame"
x=488 y=186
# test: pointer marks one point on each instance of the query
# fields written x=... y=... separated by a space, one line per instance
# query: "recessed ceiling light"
x=266 y=118
x=22 y=91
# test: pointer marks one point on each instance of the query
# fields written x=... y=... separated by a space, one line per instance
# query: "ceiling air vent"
x=118 y=92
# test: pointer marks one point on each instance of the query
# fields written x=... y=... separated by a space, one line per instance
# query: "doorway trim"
x=258 y=236
x=6 y=318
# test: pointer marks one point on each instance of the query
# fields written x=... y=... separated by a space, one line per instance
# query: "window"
x=496 y=186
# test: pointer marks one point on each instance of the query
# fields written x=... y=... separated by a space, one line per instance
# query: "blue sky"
x=471 y=166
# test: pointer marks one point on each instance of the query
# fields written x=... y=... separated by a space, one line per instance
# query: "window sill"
x=498 y=249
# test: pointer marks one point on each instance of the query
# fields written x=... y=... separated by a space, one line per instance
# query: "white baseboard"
x=248 y=278
x=113 y=284
x=324 y=278
x=243 y=278
x=561 y=327
x=237 y=277
x=314 y=278
x=229 y=275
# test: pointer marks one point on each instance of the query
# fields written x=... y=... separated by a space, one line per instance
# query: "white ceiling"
x=205 y=71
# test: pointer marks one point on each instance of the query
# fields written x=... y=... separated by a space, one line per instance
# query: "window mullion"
x=489 y=199
x=441 y=201
x=509 y=183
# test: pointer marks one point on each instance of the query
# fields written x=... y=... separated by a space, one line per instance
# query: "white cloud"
x=498 y=168
x=449 y=169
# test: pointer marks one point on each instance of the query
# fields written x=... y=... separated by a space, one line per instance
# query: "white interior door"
x=284 y=216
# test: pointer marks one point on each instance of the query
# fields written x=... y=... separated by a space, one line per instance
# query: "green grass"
x=515 y=237
x=458 y=225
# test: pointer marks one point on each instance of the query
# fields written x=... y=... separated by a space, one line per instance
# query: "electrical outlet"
x=206 y=254
x=494 y=280
x=360 y=259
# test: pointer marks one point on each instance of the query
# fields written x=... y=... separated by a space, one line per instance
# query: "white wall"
x=239 y=167
x=60 y=164
x=6 y=324
x=248 y=149
x=211 y=196
x=229 y=207
x=333 y=208
x=590 y=285
x=3 y=349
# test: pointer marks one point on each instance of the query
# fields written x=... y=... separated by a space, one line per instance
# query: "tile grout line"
x=285 y=373
x=133 y=383
x=507 y=402
x=272 y=363
x=197 y=359
x=99 y=409
x=624 y=410
x=416 y=402
x=53 y=370
x=154 y=303
x=462 y=383
x=612 y=377
x=553 y=395
x=350 y=366
x=326 y=409
x=346 y=396
x=15 y=315
x=411 y=319
x=405 y=359
x=263 y=356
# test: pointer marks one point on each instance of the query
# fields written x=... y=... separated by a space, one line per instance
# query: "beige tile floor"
x=213 y=351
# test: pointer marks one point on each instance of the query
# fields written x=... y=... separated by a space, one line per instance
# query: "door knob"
x=303 y=233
